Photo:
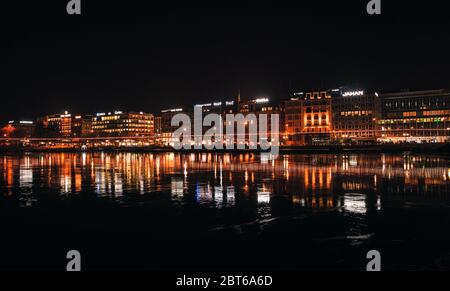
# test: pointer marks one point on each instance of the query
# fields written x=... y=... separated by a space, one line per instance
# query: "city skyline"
x=132 y=55
x=225 y=143
x=327 y=117
x=230 y=98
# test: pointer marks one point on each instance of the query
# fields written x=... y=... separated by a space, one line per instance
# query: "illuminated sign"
x=229 y=103
x=204 y=105
x=262 y=100
x=217 y=103
x=172 y=110
x=353 y=93
x=101 y=114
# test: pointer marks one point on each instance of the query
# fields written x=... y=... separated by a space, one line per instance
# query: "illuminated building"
x=56 y=125
x=82 y=126
x=292 y=121
x=64 y=125
x=258 y=106
x=316 y=115
x=123 y=124
x=420 y=116
x=355 y=115
x=166 y=128
x=86 y=126
x=308 y=119
x=158 y=129
x=18 y=129
x=220 y=108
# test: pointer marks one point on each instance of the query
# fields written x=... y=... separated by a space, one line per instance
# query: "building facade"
x=293 y=126
x=123 y=124
x=167 y=129
x=18 y=129
x=158 y=129
x=55 y=125
x=355 y=116
x=420 y=116
x=82 y=126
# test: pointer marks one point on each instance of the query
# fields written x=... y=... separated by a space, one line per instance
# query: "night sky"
x=147 y=56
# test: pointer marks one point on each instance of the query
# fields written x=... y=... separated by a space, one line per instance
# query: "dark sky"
x=149 y=55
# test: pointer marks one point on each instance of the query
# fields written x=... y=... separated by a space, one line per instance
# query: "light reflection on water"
x=346 y=182
x=396 y=202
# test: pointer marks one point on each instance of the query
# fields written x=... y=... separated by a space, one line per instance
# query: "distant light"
x=229 y=103
x=101 y=114
x=141 y=112
x=217 y=103
x=376 y=94
x=25 y=122
x=353 y=93
x=11 y=122
x=172 y=110
x=118 y=112
x=204 y=105
x=335 y=90
x=262 y=100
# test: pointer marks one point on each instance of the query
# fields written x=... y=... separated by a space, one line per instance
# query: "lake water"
x=170 y=211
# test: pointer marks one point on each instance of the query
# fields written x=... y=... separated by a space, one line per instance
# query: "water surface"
x=224 y=211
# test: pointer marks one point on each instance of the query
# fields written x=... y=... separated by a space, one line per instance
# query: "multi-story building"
x=56 y=125
x=158 y=129
x=220 y=108
x=166 y=125
x=316 y=118
x=293 y=125
x=64 y=125
x=82 y=126
x=18 y=129
x=307 y=118
x=258 y=106
x=355 y=116
x=86 y=126
x=419 y=116
x=123 y=124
